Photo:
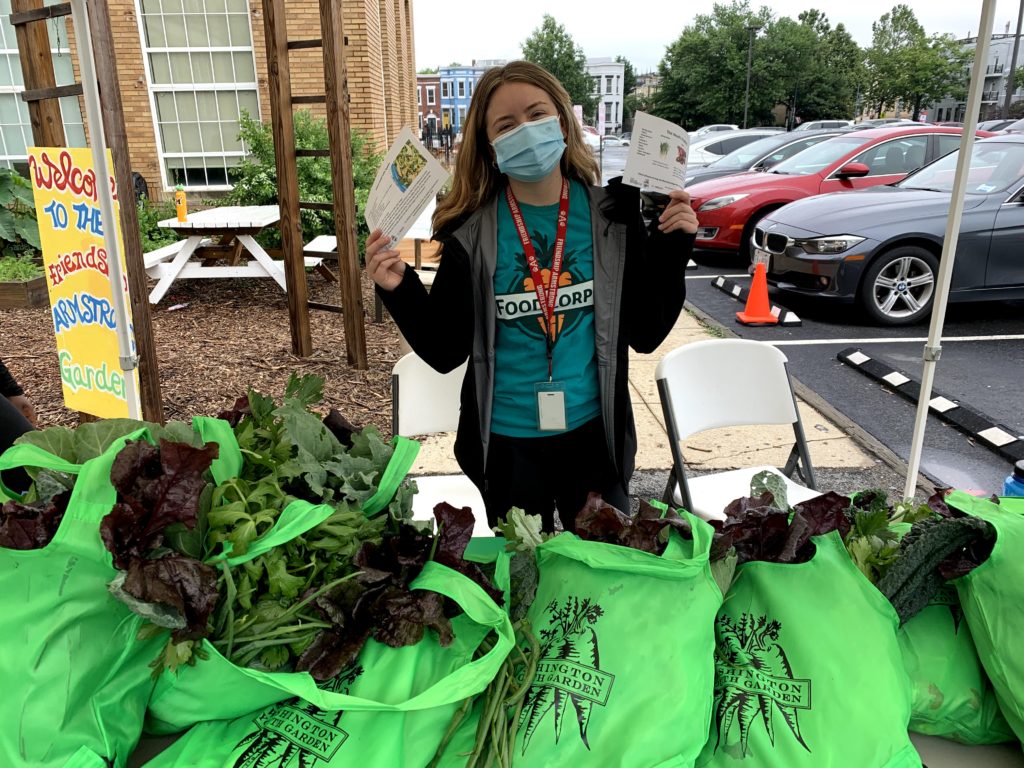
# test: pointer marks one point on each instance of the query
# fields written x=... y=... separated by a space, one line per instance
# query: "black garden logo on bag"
x=296 y=734
x=568 y=672
x=754 y=679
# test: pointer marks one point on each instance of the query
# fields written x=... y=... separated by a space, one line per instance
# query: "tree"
x=905 y=64
x=1018 y=78
x=703 y=74
x=427 y=71
x=628 y=75
x=551 y=47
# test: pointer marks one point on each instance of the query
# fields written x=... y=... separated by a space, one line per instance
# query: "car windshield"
x=820 y=156
x=994 y=168
x=746 y=155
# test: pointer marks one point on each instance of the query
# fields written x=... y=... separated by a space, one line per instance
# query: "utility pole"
x=1013 y=64
x=752 y=30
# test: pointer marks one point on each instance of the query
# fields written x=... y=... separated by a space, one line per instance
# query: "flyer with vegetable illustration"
x=407 y=181
x=657 y=155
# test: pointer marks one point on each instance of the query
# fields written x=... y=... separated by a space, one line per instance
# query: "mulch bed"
x=214 y=340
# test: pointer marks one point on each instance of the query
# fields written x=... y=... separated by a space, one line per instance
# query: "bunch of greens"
x=647 y=532
x=310 y=603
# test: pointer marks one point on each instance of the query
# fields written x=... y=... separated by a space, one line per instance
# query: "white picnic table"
x=212 y=235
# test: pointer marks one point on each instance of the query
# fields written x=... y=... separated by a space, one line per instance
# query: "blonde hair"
x=476 y=180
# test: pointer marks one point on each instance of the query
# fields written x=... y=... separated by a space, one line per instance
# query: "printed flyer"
x=78 y=279
x=657 y=155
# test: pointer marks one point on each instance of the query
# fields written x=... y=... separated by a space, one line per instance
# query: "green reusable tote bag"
x=627 y=643
x=808 y=669
x=390 y=710
x=992 y=596
x=75 y=679
x=952 y=695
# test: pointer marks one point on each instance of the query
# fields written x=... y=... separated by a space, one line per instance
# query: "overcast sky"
x=461 y=30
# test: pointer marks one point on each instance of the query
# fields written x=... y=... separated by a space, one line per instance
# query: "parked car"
x=996 y=125
x=626 y=136
x=881 y=247
x=815 y=125
x=592 y=138
x=1017 y=126
x=613 y=140
x=877 y=122
x=714 y=146
x=759 y=155
x=714 y=128
x=730 y=207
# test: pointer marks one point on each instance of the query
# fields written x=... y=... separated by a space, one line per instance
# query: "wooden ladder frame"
x=29 y=17
x=343 y=206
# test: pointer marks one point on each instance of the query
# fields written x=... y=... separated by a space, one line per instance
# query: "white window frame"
x=462 y=89
x=154 y=88
x=445 y=89
x=419 y=97
x=462 y=117
x=13 y=59
x=431 y=97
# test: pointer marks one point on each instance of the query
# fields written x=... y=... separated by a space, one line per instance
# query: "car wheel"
x=746 y=250
x=899 y=286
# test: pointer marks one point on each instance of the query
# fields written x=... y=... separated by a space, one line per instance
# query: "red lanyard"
x=547 y=298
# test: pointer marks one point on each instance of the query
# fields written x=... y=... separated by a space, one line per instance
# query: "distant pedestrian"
x=545 y=282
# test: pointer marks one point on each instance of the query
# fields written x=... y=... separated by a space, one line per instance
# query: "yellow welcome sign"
x=78 y=278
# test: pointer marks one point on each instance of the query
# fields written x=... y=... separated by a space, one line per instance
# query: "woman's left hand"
x=678 y=216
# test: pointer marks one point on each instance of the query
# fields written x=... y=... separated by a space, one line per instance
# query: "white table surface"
x=228 y=217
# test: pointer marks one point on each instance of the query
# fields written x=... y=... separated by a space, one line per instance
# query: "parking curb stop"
x=740 y=294
x=995 y=436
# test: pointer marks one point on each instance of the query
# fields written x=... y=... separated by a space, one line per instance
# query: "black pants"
x=12 y=426
x=540 y=474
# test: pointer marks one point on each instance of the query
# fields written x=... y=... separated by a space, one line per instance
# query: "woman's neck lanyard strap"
x=547 y=296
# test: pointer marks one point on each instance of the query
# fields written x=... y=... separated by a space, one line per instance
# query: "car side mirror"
x=853 y=170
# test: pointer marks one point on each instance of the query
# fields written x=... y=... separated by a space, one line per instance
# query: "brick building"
x=188 y=68
x=428 y=103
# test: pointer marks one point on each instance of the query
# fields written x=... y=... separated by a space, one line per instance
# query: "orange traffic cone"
x=758 y=311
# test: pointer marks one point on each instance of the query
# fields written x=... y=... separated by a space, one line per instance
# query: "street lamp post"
x=752 y=29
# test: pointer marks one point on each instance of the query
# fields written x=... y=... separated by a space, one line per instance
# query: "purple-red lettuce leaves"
x=157 y=488
x=31 y=526
x=814 y=517
x=648 y=531
x=184 y=587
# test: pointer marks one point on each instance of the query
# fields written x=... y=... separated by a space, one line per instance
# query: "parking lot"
x=980 y=367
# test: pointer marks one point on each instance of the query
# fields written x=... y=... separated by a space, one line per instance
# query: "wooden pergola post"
x=336 y=86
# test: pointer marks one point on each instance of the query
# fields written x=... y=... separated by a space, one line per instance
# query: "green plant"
x=18 y=268
x=19 y=233
x=151 y=235
x=255 y=178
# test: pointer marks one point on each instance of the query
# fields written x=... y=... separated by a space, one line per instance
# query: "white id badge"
x=550 y=406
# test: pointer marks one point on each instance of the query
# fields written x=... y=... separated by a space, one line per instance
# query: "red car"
x=728 y=208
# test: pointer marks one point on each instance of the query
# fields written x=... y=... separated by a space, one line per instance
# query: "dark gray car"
x=760 y=155
x=881 y=246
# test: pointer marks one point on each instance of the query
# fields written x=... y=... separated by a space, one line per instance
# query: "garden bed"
x=19 y=294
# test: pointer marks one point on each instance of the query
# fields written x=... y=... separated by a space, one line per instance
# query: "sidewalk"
x=726 y=448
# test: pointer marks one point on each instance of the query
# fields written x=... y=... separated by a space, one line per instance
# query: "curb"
x=875 y=447
x=995 y=436
x=740 y=293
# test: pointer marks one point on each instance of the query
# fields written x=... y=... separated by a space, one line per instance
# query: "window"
x=597 y=84
x=947 y=143
x=608 y=84
x=471 y=83
x=462 y=89
x=15 y=128
x=420 y=116
x=608 y=112
x=419 y=97
x=431 y=100
x=894 y=157
x=462 y=117
x=202 y=75
x=445 y=92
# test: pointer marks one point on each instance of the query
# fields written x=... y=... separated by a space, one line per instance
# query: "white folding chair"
x=425 y=402
x=725 y=383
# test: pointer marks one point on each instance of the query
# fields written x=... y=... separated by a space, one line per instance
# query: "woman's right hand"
x=384 y=266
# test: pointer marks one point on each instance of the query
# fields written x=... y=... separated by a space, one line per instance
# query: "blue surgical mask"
x=530 y=151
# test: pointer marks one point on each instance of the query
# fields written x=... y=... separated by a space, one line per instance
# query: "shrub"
x=255 y=178
x=19 y=232
x=151 y=235
x=19 y=268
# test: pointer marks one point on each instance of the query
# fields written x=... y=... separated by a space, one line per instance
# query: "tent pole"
x=933 y=347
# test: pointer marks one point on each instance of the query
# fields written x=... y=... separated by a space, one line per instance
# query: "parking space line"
x=713 y=277
x=913 y=340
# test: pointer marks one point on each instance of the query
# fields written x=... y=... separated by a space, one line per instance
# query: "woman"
x=545 y=282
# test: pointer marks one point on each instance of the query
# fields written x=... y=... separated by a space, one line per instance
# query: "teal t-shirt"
x=520 y=356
